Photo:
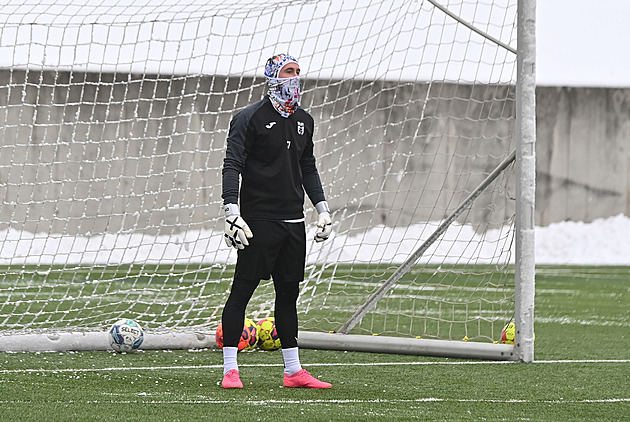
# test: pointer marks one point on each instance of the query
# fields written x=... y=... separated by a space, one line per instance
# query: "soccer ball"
x=249 y=336
x=508 y=333
x=126 y=336
x=268 y=338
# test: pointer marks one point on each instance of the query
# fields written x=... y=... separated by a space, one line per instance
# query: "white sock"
x=291 y=360
x=229 y=359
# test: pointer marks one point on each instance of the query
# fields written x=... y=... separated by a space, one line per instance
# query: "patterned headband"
x=276 y=63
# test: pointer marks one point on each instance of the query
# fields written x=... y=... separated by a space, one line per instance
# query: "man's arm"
x=234 y=161
x=313 y=187
x=311 y=181
x=236 y=229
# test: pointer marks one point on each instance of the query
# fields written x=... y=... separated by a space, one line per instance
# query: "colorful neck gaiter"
x=284 y=93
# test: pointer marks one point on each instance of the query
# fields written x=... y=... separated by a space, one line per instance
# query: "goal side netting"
x=113 y=120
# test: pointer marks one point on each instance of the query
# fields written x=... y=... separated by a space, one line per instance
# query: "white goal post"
x=113 y=121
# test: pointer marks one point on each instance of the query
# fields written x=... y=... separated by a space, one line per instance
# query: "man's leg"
x=287 y=274
x=287 y=324
x=232 y=320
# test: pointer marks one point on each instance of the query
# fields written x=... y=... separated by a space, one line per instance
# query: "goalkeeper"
x=270 y=146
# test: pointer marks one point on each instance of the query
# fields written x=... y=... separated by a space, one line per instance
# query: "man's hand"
x=236 y=229
x=324 y=227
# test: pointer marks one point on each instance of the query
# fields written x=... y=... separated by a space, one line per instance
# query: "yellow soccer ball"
x=268 y=338
x=508 y=333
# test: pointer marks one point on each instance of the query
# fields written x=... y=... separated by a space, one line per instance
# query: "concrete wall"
x=583 y=153
x=90 y=153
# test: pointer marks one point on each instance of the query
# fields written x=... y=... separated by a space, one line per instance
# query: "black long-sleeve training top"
x=274 y=157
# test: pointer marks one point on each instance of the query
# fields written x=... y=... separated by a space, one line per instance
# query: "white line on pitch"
x=217 y=366
x=267 y=402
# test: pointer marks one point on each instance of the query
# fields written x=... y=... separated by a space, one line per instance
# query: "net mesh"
x=114 y=116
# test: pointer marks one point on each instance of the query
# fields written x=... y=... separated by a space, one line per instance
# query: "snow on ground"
x=602 y=242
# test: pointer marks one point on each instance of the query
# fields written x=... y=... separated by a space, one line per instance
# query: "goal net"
x=114 y=117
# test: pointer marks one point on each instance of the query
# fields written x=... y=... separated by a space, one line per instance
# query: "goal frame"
x=525 y=180
x=523 y=349
x=525 y=158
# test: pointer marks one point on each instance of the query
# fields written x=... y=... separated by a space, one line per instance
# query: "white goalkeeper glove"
x=236 y=229
x=324 y=222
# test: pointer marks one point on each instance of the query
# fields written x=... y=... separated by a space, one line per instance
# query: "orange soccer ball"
x=249 y=336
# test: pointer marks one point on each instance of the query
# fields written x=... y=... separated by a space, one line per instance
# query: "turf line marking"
x=218 y=366
x=267 y=402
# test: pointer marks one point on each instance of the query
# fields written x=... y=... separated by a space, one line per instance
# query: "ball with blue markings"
x=126 y=336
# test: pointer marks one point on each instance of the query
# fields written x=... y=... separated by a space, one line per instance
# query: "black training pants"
x=277 y=250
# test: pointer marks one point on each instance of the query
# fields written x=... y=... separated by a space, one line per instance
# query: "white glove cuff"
x=231 y=209
x=322 y=206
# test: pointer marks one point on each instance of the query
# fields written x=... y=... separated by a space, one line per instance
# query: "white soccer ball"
x=126 y=336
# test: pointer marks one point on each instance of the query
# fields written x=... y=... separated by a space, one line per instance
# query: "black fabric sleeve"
x=235 y=156
x=310 y=176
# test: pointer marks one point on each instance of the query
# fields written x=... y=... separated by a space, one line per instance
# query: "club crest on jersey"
x=300 y=128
